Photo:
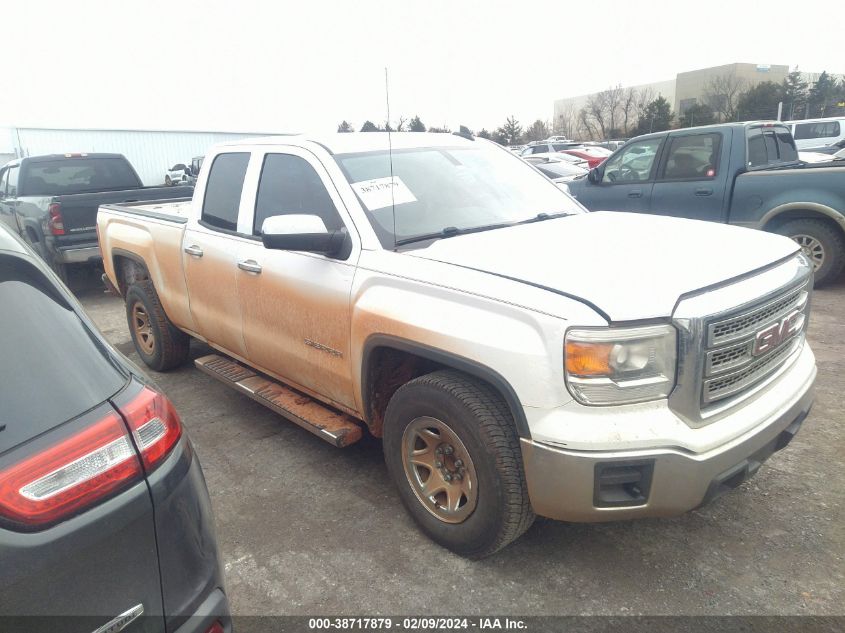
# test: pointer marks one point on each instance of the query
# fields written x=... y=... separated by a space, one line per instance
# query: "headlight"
x=620 y=365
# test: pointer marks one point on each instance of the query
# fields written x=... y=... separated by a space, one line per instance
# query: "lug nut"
x=439 y=464
x=458 y=476
x=447 y=477
x=439 y=450
x=448 y=450
x=459 y=463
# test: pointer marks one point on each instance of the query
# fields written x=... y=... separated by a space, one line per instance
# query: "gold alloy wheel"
x=812 y=248
x=142 y=328
x=439 y=469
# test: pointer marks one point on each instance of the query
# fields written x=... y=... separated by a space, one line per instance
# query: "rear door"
x=96 y=558
x=210 y=247
x=627 y=178
x=692 y=177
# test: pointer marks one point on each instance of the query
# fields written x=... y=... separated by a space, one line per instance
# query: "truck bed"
x=171 y=210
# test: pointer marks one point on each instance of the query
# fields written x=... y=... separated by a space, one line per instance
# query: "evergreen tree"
x=416 y=125
x=369 y=126
x=344 y=127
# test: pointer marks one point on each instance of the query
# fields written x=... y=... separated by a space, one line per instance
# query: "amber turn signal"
x=588 y=359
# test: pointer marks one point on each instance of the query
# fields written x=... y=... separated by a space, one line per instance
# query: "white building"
x=151 y=152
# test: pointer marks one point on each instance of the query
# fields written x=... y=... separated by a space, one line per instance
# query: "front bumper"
x=580 y=485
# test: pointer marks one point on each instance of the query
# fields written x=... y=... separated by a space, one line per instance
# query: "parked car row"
x=182 y=174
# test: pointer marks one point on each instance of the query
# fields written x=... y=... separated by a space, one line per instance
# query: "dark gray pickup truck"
x=746 y=174
x=52 y=201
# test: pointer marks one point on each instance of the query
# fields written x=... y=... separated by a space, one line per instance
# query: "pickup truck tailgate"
x=79 y=211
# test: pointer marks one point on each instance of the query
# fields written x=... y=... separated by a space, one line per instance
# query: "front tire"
x=452 y=450
x=158 y=342
x=822 y=243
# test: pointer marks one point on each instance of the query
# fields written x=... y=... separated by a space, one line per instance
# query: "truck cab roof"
x=346 y=143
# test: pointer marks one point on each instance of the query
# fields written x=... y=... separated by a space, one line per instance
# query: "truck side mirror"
x=301 y=232
x=594 y=175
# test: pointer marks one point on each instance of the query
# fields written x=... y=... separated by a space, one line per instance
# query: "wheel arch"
x=780 y=215
x=128 y=267
x=386 y=356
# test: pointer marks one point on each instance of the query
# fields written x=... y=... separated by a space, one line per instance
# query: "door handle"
x=250 y=265
x=193 y=250
x=703 y=191
x=636 y=193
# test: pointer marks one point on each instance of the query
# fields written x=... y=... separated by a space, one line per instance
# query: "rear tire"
x=158 y=342
x=476 y=434
x=822 y=243
x=168 y=182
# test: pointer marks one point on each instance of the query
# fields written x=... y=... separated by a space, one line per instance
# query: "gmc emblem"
x=770 y=338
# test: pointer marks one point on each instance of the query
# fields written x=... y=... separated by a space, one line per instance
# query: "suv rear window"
x=820 y=129
x=52 y=368
x=65 y=176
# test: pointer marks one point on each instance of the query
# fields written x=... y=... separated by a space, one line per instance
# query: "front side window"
x=289 y=185
x=633 y=163
x=434 y=190
x=223 y=190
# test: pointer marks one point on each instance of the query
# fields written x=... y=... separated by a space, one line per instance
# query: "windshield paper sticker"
x=383 y=192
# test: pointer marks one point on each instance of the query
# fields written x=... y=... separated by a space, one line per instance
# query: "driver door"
x=627 y=178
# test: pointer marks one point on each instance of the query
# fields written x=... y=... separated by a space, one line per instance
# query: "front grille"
x=748 y=323
x=730 y=364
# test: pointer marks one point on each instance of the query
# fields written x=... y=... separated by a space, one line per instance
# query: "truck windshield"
x=447 y=190
x=64 y=176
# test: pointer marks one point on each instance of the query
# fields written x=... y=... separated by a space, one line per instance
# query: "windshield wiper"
x=452 y=231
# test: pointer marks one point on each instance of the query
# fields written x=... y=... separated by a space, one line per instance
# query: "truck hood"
x=629 y=266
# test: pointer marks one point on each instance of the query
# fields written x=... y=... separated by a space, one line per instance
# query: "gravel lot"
x=305 y=528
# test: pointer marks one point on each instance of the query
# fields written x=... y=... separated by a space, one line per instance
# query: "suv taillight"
x=55 y=222
x=154 y=424
x=91 y=465
x=69 y=476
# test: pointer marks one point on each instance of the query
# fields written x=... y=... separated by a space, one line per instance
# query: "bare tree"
x=722 y=94
x=629 y=109
x=566 y=122
x=586 y=125
x=538 y=131
x=400 y=126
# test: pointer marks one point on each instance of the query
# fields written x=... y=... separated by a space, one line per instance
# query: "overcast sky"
x=246 y=65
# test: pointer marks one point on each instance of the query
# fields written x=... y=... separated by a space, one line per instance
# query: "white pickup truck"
x=517 y=354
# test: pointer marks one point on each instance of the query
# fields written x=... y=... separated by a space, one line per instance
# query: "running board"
x=334 y=427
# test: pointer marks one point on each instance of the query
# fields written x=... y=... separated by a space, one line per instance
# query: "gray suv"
x=105 y=519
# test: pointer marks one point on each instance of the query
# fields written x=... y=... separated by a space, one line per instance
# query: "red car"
x=594 y=156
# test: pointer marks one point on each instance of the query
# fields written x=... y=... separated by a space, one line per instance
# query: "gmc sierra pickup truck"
x=517 y=354
x=747 y=174
x=51 y=201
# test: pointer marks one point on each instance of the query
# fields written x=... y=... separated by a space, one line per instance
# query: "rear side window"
x=289 y=185
x=821 y=129
x=770 y=146
x=12 y=187
x=693 y=157
x=65 y=176
x=52 y=368
x=223 y=190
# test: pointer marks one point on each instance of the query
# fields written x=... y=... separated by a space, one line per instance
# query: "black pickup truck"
x=747 y=174
x=52 y=201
